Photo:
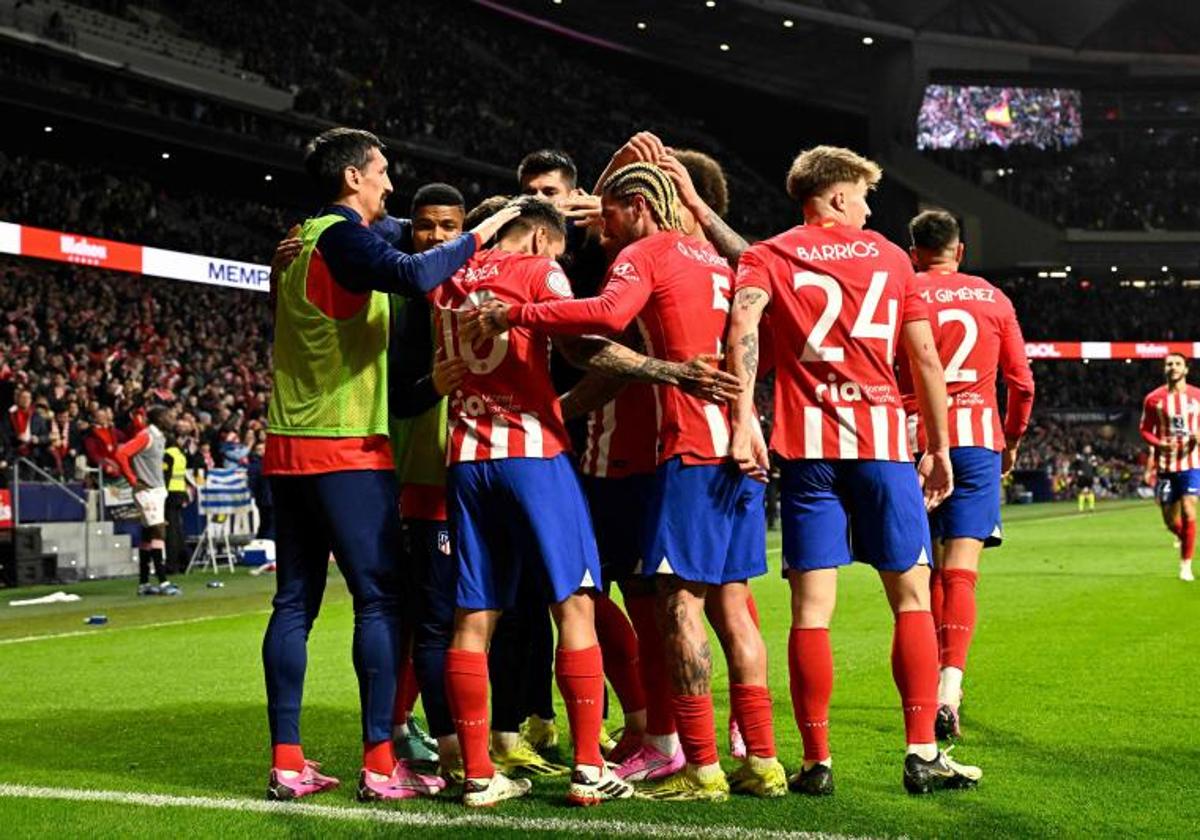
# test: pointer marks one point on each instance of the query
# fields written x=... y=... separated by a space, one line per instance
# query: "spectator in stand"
x=22 y=424
x=102 y=443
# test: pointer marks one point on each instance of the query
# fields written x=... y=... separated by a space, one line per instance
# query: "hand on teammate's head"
x=583 y=209
x=683 y=184
x=490 y=226
x=643 y=147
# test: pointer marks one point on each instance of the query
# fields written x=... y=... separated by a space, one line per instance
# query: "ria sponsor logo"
x=838 y=251
x=838 y=392
x=1152 y=351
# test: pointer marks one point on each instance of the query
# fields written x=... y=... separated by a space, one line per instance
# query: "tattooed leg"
x=685 y=641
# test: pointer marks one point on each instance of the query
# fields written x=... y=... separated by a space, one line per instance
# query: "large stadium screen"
x=967 y=116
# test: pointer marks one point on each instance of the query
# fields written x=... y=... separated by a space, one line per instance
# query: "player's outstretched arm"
x=361 y=260
x=929 y=381
x=618 y=303
x=698 y=377
x=726 y=240
x=747 y=446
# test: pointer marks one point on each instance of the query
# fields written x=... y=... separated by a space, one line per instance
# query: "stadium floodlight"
x=268 y=177
x=788 y=23
x=641 y=24
x=1165 y=269
x=166 y=155
x=724 y=48
x=868 y=40
x=1113 y=269
x=1068 y=268
x=48 y=129
x=710 y=3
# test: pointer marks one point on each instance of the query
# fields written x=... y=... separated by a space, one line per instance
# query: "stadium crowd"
x=1154 y=187
x=386 y=69
x=86 y=352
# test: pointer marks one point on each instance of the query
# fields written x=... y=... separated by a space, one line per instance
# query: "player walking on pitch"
x=840 y=298
x=976 y=331
x=1171 y=424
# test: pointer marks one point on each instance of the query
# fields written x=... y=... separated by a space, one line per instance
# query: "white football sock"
x=927 y=752
x=668 y=745
x=505 y=741
x=950 y=687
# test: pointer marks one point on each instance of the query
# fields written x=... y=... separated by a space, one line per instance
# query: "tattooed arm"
x=728 y=243
x=747 y=446
x=697 y=377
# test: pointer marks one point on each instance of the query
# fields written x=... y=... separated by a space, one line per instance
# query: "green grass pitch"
x=1081 y=706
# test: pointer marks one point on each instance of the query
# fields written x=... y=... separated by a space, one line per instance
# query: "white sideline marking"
x=104 y=630
x=416 y=818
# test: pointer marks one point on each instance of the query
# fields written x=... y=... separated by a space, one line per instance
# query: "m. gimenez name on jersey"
x=976 y=330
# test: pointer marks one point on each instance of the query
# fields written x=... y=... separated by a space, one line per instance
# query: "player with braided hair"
x=706 y=534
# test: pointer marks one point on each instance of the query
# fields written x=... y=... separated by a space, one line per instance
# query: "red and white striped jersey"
x=679 y=289
x=506 y=406
x=1173 y=418
x=622 y=436
x=839 y=296
x=976 y=331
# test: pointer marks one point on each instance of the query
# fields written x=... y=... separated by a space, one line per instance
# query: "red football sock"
x=915 y=670
x=379 y=757
x=580 y=675
x=751 y=708
x=958 y=618
x=407 y=689
x=937 y=596
x=619 y=644
x=467 y=693
x=287 y=757
x=810 y=666
x=1187 y=545
x=753 y=608
x=660 y=720
x=697 y=737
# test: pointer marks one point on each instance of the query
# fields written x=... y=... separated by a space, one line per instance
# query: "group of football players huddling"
x=443 y=364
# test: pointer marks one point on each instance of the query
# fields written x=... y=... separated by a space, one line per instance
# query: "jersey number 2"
x=955 y=372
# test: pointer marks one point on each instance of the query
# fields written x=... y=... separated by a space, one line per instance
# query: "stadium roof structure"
x=834 y=52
